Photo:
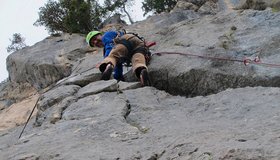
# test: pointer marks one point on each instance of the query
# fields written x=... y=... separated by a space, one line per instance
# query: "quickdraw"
x=247 y=61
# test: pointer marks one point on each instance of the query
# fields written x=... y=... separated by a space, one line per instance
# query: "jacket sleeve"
x=107 y=49
x=108 y=40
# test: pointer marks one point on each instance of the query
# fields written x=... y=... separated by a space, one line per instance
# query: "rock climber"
x=120 y=47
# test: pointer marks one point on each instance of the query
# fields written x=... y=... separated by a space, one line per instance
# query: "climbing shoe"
x=106 y=75
x=144 y=78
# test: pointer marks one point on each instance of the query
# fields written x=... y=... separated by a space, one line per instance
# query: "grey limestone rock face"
x=223 y=37
x=203 y=104
x=47 y=61
x=147 y=123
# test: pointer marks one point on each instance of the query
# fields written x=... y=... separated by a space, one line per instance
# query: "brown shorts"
x=120 y=50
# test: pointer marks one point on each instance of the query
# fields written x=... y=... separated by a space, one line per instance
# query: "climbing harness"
x=143 y=49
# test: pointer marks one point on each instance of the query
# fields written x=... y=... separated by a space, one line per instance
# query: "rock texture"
x=204 y=102
x=227 y=35
x=42 y=65
x=128 y=125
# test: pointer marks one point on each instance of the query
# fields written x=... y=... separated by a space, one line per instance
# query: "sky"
x=18 y=16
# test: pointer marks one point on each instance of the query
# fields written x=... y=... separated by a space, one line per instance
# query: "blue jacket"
x=108 y=42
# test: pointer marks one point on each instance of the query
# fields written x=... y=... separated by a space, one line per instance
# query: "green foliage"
x=71 y=16
x=116 y=7
x=17 y=43
x=158 y=6
x=275 y=5
x=52 y=17
x=111 y=5
x=76 y=16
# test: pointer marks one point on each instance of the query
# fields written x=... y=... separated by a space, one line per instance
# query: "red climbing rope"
x=245 y=61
